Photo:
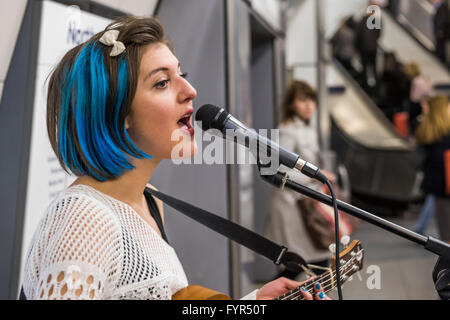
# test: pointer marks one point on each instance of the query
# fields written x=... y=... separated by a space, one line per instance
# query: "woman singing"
x=113 y=105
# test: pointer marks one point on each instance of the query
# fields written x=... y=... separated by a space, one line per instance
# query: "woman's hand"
x=278 y=287
x=318 y=293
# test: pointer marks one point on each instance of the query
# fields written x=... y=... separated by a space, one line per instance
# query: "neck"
x=327 y=280
x=130 y=186
x=305 y=121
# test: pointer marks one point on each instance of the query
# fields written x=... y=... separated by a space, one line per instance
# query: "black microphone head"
x=211 y=117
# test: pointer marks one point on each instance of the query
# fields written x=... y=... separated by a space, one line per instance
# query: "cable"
x=336 y=231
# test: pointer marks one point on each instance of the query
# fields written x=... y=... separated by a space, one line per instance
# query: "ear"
x=127 y=122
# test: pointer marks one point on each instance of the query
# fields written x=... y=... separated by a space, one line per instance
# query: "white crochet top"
x=89 y=245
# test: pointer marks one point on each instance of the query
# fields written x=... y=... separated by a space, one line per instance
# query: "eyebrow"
x=151 y=73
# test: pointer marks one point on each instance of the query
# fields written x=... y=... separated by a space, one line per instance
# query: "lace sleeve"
x=81 y=249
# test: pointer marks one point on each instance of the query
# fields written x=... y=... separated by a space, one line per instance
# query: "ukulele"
x=351 y=261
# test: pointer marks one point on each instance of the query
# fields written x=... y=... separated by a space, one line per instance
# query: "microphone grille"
x=211 y=116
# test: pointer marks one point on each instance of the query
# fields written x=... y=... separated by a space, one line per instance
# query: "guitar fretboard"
x=327 y=280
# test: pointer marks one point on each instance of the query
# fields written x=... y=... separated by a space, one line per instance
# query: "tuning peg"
x=332 y=248
x=345 y=240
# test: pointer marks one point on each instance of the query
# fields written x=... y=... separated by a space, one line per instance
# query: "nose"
x=187 y=92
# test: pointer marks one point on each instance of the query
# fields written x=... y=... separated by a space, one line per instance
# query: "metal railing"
x=417 y=17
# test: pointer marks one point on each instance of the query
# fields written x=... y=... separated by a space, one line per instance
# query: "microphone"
x=213 y=117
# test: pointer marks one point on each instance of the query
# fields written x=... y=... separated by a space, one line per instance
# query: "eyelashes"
x=163 y=84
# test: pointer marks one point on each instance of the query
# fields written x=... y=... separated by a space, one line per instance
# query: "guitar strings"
x=326 y=288
x=324 y=284
x=298 y=294
x=310 y=286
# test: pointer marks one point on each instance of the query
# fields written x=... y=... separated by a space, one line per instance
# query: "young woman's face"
x=305 y=108
x=161 y=112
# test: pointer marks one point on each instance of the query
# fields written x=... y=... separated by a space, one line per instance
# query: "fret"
x=328 y=279
x=323 y=278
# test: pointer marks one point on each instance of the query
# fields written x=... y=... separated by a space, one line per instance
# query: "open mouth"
x=185 y=123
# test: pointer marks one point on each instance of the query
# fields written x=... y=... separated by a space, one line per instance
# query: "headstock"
x=350 y=259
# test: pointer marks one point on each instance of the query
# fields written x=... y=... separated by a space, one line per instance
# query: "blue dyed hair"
x=86 y=108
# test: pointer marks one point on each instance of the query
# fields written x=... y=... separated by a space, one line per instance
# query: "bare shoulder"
x=159 y=203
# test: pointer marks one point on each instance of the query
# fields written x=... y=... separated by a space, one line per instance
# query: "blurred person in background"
x=441 y=25
x=298 y=133
x=344 y=45
x=433 y=133
x=393 y=88
x=367 y=46
x=393 y=6
x=420 y=89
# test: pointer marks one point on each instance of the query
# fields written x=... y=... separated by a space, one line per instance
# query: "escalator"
x=379 y=161
x=416 y=18
x=396 y=38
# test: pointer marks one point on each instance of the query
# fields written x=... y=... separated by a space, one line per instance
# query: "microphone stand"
x=441 y=273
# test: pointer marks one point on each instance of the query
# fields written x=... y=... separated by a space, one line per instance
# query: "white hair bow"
x=109 y=38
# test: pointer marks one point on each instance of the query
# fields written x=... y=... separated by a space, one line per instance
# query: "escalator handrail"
x=411 y=33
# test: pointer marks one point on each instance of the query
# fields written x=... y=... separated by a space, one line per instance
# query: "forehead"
x=303 y=97
x=155 y=56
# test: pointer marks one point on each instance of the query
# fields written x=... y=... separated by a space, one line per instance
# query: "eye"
x=161 y=84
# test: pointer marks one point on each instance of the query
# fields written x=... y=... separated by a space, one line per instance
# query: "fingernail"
x=321 y=295
x=303 y=288
x=318 y=286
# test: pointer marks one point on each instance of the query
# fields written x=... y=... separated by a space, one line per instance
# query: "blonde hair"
x=412 y=70
x=436 y=123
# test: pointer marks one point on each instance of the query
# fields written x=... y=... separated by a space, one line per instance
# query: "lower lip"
x=188 y=128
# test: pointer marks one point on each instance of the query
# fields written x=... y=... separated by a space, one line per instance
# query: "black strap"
x=154 y=211
x=278 y=254
x=22 y=294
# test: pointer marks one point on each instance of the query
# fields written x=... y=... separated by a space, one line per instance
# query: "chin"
x=186 y=149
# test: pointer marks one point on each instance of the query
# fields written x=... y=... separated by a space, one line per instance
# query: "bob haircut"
x=89 y=96
x=296 y=90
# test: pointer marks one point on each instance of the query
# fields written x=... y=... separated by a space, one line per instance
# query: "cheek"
x=158 y=126
x=152 y=124
x=300 y=108
x=154 y=112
